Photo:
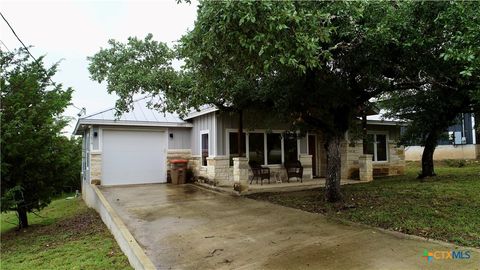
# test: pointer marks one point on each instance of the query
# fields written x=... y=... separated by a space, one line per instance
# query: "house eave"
x=385 y=123
x=83 y=122
x=200 y=113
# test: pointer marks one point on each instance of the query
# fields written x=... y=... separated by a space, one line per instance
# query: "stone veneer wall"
x=394 y=166
x=96 y=167
x=177 y=154
x=306 y=161
x=350 y=159
x=218 y=170
x=196 y=165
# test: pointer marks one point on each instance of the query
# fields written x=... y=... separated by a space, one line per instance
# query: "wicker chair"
x=294 y=170
x=259 y=172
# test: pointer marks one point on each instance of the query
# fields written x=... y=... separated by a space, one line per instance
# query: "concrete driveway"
x=186 y=227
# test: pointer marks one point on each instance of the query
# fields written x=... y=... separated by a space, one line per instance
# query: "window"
x=377 y=146
x=264 y=148
x=233 y=145
x=204 y=148
x=290 y=148
x=256 y=147
x=274 y=148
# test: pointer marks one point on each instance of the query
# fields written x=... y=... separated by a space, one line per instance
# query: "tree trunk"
x=427 y=156
x=334 y=166
x=22 y=218
x=239 y=135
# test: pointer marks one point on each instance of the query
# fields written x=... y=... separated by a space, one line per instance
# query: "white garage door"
x=133 y=157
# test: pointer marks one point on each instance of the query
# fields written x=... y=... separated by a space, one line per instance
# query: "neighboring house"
x=459 y=142
x=135 y=148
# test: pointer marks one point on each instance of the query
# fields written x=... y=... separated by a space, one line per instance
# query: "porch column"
x=366 y=167
x=240 y=174
x=306 y=161
x=218 y=171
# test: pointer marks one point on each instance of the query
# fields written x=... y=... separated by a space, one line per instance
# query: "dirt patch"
x=86 y=222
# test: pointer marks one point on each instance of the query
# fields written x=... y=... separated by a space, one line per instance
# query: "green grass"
x=65 y=235
x=445 y=207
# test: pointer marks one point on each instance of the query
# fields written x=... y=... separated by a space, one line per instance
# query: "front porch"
x=237 y=179
x=276 y=186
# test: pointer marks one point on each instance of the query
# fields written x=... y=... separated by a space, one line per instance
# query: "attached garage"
x=132 y=148
x=134 y=157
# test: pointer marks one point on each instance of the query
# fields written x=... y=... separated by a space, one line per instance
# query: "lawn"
x=445 y=207
x=64 y=235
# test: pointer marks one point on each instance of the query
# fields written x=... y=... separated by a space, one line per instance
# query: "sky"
x=70 y=31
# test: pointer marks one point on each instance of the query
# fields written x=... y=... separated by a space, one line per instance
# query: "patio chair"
x=259 y=172
x=294 y=170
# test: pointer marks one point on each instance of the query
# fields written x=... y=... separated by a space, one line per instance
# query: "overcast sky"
x=73 y=30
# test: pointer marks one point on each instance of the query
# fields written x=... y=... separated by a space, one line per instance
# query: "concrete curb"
x=130 y=247
x=272 y=189
x=215 y=189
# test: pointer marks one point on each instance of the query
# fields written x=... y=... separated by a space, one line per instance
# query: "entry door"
x=312 y=150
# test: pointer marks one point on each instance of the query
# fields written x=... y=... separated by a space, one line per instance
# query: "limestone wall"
x=394 y=166
x=218 y=170
x=306 y=161
x=96 y=167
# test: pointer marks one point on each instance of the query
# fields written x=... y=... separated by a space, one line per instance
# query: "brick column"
x=96 y=168
x=240 y=174
x=366 y=167
x=306 y=161
x=218 y=170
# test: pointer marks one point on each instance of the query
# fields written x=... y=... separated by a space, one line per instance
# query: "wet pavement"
x=186 y=227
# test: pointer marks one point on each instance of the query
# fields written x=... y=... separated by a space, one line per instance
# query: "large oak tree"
x=316 y=64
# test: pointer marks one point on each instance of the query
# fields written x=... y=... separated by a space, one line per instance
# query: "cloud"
x=73 y=30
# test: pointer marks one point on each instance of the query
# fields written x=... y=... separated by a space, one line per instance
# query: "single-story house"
x=136 y=147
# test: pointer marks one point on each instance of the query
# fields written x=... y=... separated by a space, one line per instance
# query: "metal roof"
x=380 y=119
x=140 y=115
x=205 y=109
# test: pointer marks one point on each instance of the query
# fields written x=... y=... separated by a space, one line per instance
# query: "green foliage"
x=65 y=234
x=438 y=71
x=35 y=158
x=140 y=66
x=289 y=57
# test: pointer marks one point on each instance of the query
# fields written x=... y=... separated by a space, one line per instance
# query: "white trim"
x=474 y=137
x=317 y=167
x=100 y=138
x=385 y=123
x=375 y=154
x=282 y=147
x=135 y=129
x=202 y=132
x=200 y=113
x=214 y=137
x=90 y=147
x=298 y=149
x=265 y=149
x=82 y=122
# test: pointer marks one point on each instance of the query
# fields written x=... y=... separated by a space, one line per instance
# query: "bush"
x=457 y=163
